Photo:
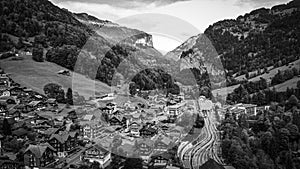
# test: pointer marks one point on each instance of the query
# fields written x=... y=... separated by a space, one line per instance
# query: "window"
x=32 y=160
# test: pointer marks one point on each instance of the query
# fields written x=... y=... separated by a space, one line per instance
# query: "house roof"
x=34 y=103
x=39 y=150
x=105 y=142
x=63 y=136
x=52 y=101
x=205 y=104
x=88 y=117
x=20 y=132
x=118 y=117
x=165 y=140
x=51 y=131
x=99 y=147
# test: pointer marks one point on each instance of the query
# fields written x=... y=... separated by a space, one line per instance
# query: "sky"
x=171 y=22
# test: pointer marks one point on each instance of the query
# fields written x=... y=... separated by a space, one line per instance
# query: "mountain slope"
x=114 y=32
x=35 y=75
x=258 y=39
x=79 y=42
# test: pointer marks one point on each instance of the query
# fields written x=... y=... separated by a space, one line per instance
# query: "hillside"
x=95 y=48
x=258 y=44
x=259 y=39
x=36 y=75
x=115 y=33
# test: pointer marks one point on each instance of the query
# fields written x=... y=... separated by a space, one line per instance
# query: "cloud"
x=125 y=4
x=261 y=3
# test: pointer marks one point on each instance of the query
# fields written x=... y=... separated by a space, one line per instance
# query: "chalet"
x=58 y=122
x=148 y=131
x=20 y=133
x=107 y=110
x=117 y=120
x=4 y=82
x=35 y=104
x=175 y=110
x=43 y=124
x=160 y=160
x=117 y=112
x=92 y=131
x=129 y=106
x=136 y=117
x=205 y=105
x=4 y=93
x=135 y=129
x=52 y=102
x=111 y=105
x=36 y=156
x=72 y=115
x=162 y=144
x=48 y=133
x=16 y=91
x=97 y=153
x=145 y=148
x=249 y=109
x=3 y=109
x=63 y=142
x=64 y=72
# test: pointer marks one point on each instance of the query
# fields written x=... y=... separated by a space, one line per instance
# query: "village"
x=39 y=132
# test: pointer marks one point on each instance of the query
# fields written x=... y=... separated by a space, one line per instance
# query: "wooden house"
x=63 y=142
x=37 y=156
x=97 y=153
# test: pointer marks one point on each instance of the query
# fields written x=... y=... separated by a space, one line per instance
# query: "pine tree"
x=37 y=54
x=6 y=127
x=69 y=96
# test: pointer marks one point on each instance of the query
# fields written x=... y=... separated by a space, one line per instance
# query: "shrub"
x=37 y=54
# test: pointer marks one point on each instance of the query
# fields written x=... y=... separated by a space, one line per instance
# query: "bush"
x=53 y=90
x=37 y=54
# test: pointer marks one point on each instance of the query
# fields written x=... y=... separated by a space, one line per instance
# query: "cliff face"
x=116 y=33
x=197 y=53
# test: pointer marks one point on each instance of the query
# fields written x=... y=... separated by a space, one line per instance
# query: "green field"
x=280 y=87
x=35 y=75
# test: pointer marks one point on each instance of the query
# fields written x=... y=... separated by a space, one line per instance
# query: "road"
x=206 y=146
